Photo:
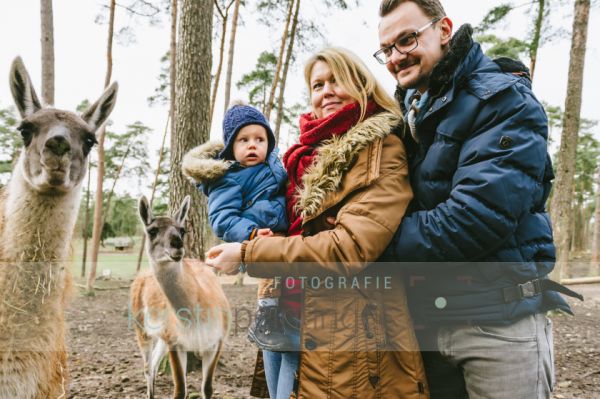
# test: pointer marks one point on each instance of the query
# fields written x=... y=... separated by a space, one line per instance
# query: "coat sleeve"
x=365 y=225
x=225 y=209
x=498 y=180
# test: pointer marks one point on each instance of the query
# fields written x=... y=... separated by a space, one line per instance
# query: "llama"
x=38 y=209
x=178 y=306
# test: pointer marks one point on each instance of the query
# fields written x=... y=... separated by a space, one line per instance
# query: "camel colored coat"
x=357 y=337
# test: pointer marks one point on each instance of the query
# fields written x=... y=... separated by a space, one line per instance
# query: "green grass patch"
x=120 y=264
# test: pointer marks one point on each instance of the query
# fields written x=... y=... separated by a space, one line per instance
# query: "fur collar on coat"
x=335 y=157
x=201 y=164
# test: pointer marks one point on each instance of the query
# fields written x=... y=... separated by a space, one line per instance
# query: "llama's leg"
x=145 y=344
x=178 y=360
x=183 y=360
x=159 y=349
x=210 y=359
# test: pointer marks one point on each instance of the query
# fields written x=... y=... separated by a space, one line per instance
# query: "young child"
x=245 y=184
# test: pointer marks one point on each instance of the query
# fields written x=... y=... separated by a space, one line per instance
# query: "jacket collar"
x=201 y=164
x=335 y=157
x=450 y=69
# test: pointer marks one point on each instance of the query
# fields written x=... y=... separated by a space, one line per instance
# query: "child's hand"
x=264 y=233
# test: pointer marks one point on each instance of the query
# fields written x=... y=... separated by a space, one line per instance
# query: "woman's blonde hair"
x=353 y=75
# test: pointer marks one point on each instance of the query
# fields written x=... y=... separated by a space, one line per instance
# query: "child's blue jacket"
x=240 y=199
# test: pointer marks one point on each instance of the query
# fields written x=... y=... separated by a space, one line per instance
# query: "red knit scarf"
x=296 y=160
x=300 y=156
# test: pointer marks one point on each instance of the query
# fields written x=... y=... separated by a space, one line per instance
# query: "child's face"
x=250 y=145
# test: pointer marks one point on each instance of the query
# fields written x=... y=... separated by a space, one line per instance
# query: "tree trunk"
x=234 y=21
x=172 y=78
x=537 y=34
x=47 y=52
x=86 y=220
x=595 y=263
x=587 y=228
x=286 y=67
x=284 y=37
x=112 y=188
x=239 y=280
x=97 y=230
x=563 y=187
x=191 y=122
x=224 y=16
x=156 y=175
x=576 y=225
x=173 y=68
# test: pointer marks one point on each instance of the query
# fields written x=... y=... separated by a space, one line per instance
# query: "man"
x=477 y=143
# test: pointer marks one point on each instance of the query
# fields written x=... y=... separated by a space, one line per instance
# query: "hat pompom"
x=237 y=101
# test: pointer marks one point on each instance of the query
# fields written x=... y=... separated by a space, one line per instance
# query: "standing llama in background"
x=178 y=306
x=38 y=209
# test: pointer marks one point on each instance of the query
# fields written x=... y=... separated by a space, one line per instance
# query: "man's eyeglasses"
x=403 y=45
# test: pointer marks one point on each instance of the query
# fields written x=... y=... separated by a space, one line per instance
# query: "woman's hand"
x=225 y=257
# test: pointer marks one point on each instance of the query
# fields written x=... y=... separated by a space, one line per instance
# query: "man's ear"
x=446 y=30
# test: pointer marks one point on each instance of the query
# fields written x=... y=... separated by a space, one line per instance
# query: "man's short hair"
x=431 y=8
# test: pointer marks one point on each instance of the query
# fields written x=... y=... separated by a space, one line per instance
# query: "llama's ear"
x=26 y=100
x=182 y=213
x=98 y=112
x=145 y=211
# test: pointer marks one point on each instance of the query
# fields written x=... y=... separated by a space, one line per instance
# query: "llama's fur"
x=178 y=306
x=38 y=210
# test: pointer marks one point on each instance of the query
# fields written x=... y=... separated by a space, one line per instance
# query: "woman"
x=347 y=194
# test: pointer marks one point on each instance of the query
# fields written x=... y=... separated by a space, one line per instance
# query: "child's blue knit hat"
x=236 y=118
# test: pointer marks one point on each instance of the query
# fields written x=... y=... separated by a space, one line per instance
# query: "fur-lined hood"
x=335 y=157
x=201 y=164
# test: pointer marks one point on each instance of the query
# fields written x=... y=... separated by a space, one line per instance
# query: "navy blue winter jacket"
x=240 y=199
x=481 y=175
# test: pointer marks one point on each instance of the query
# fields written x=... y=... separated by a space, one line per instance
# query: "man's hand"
x=264 y=233
x=225 y=257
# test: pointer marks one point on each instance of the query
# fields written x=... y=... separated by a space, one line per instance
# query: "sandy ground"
x=105 y=362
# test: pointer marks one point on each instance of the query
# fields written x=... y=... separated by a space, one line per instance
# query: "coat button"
x=310 y=344
x=444 y=99
x=440 y=302
x=506 y=142
x=250 y=203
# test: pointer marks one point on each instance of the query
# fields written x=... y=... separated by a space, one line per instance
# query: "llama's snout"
x=58 y=145
x=176 y=242
x=176 y=249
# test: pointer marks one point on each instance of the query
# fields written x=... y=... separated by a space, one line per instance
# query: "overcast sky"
x=80 y=47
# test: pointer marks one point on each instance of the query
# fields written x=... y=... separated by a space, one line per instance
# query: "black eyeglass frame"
x=392 y=47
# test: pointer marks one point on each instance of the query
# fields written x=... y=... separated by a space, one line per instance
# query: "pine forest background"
x=253 y=50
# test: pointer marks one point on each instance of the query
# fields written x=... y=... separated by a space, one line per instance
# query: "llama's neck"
x=36 y=227
x=176 y=286
x=36 y=231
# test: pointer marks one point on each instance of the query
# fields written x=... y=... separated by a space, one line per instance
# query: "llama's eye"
x=27 y=130
x=88 y=142
x=182 y=231
x=152 y=232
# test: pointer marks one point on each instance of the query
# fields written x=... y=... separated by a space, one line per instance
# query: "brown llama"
x=38 y=211
x=178 y=306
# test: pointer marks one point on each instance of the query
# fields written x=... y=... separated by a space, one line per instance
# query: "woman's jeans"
x=281 y=367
